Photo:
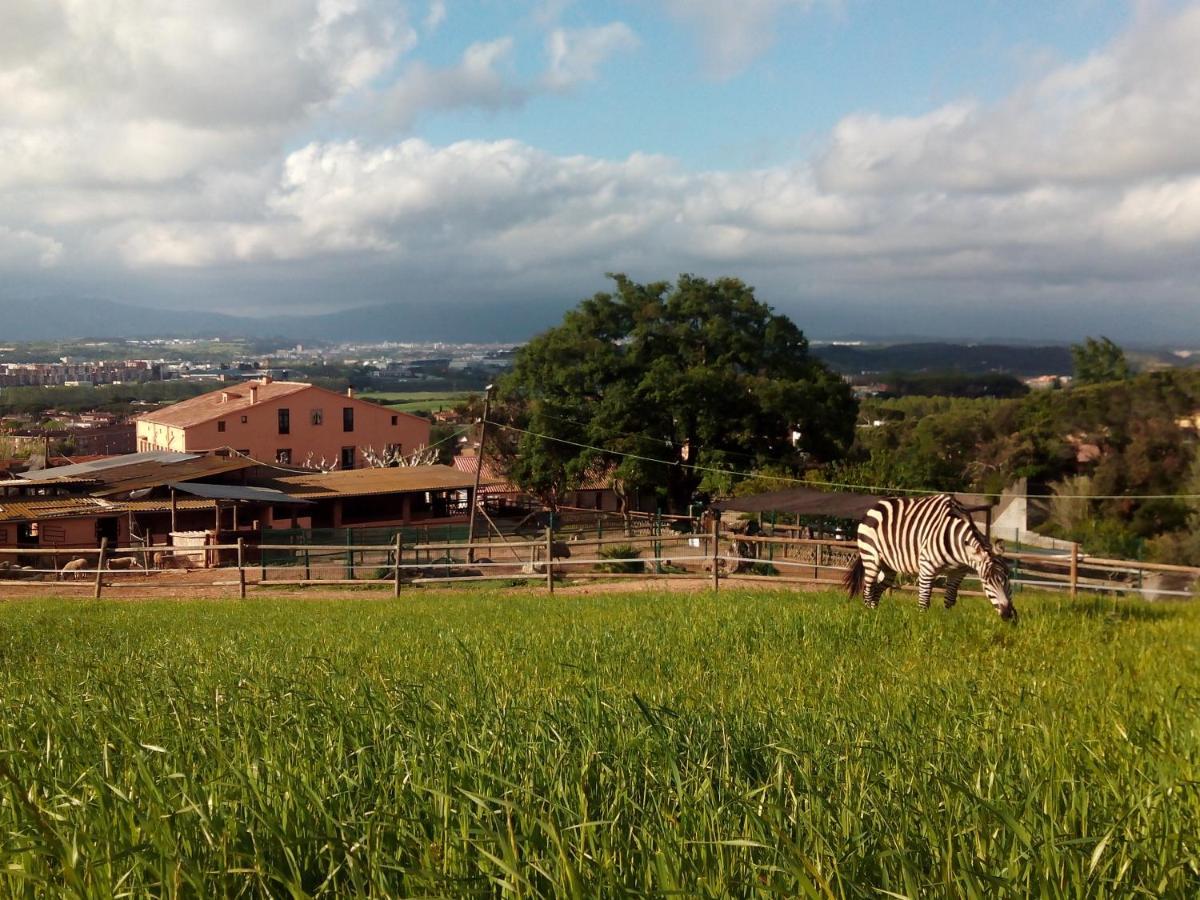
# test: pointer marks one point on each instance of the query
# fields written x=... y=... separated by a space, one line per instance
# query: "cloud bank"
x=141 y=148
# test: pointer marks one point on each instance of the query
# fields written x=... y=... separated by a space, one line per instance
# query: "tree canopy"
x=1099 y=360
x=684 y=384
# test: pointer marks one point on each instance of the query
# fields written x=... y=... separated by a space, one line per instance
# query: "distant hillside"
x=944 y=357
x=48 y=319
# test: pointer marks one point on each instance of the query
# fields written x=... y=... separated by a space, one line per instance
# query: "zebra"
x=925 y=536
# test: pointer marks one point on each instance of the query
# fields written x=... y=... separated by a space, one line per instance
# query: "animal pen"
x=661 y=547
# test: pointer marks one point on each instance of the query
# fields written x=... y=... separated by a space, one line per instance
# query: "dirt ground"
x=218 y=586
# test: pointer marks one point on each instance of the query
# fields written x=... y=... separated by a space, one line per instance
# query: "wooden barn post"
x=550 y=558
x=100 y=566
x=716 y=542
x=399 y=550
x=241 y=551
x=1074 y=570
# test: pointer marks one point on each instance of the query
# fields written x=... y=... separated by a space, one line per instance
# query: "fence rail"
x=720 y=556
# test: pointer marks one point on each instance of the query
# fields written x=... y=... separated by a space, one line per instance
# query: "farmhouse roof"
x=224 y=401
x=236 y=398
x=364 y=482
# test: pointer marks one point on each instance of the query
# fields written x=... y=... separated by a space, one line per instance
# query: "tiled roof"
x=235 y=398
x=363 y=482
x=228 y=400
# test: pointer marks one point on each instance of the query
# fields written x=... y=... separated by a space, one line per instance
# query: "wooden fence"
x=718 y=557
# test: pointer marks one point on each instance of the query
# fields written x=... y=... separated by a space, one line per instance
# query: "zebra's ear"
x=998 y=547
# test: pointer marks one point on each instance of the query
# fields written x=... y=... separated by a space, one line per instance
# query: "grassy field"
x=448 y=744
x=418 y=401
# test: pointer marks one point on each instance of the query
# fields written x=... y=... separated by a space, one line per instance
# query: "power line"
x=835 y=484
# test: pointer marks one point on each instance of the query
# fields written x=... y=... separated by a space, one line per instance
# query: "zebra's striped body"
x=926 y=537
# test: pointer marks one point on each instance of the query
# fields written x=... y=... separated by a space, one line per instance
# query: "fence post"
x=399 y=551
x=1074 y=570
x=716 y=532
x=307 y=566
x=241 y=568
x=100 y=566
x=550 y=558
x=349 y=555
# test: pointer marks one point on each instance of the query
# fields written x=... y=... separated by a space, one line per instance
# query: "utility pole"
x=487 y=410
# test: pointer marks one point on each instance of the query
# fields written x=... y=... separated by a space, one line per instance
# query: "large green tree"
x=679 y=386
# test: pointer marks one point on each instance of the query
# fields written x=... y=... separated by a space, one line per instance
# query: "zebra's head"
x=993 y=573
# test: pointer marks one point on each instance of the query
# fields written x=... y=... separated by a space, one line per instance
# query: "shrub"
x=624 y=559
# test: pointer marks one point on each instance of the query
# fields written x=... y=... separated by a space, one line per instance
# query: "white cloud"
x=1129 y=112
x=128 y=91
x=435 y=15
x=733 y=33
x=20 y=249
x=575 y=54
x=481 y=78
x=1084 y=182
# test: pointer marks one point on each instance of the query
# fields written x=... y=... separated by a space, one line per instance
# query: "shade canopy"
x=803 y=501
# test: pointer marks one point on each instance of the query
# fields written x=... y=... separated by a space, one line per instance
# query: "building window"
x=395 y=420
x=285 y=421
x=347 y=457
x=318 y=417
x=284 y=455
x=242 y=452
x=347 y=418
x=244 y=420
x=220 y=424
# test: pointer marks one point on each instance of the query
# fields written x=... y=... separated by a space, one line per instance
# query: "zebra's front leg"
x=953 y=580
x=925 y=578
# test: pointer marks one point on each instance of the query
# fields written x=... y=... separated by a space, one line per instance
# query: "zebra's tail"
x=853 y=580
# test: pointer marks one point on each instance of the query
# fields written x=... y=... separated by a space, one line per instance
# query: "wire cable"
x=874 y=489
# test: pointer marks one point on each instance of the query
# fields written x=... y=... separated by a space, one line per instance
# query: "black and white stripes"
x=925 y=536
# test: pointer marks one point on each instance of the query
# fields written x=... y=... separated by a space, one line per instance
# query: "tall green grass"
x=748 y=744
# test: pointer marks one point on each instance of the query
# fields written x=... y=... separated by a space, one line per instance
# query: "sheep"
x=123 y=563
x=75 y=566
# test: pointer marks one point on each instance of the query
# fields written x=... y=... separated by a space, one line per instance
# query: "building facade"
x=288 y=422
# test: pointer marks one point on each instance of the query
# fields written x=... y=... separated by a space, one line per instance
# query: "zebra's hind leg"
x=953 y=581
x=882 y=579
x=871 y=584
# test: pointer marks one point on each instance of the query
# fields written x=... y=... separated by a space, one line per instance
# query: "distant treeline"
x=25 y=401
x=1130 y=437
x=943 y=357
x=953 y=384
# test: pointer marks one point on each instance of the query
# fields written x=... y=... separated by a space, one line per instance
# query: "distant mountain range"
x=51 y=319
x=48 y=319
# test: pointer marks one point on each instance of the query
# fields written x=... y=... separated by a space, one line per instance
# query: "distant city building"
x=288 y=422
x=71 y=372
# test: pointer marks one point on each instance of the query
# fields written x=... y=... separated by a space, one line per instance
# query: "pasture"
x=472 y=743
x=417 y=401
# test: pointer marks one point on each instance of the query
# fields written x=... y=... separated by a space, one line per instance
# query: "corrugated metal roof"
x=85 y=507
x=134 y=471
x=364 y=482
x=91 y=469
x=236 y=492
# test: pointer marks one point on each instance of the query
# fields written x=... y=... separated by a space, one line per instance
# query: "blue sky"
x=661 y=97
x=966 y=169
